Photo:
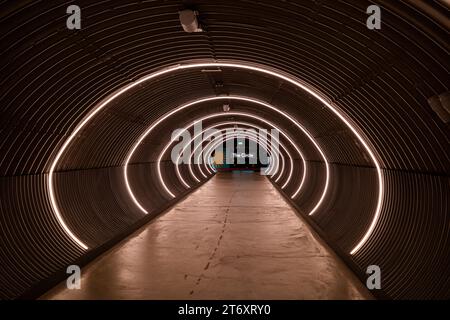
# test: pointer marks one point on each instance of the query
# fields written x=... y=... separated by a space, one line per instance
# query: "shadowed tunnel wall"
x=380 y=80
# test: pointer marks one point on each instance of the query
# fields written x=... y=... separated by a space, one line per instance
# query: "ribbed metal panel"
x=52 y=77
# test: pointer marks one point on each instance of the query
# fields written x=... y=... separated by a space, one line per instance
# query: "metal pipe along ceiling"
x=87 y=114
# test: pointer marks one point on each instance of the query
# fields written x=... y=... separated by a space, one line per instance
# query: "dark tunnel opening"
x=119 y=123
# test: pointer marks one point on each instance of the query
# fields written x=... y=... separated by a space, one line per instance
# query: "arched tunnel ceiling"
x=381 y=80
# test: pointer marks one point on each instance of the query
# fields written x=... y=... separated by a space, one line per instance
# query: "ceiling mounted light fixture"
x=189 y=21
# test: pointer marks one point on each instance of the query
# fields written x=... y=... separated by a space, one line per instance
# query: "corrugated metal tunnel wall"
x=53 y=78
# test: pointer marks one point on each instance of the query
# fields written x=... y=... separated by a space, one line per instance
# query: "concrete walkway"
x=233 y=238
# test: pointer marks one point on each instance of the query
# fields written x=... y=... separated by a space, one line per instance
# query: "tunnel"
x=89 y=122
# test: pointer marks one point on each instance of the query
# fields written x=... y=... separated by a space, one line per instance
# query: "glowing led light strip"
x=310 y=137
x=268 y=123
x=210 y=148
x=199 y=134
x=238 y=65
x=211 y=164
x=211 y=145
x=234 y=133
x=158 y=169
x=96 y=110
x=264 y=145
x=202 y=153
x=249 y=133
x=276 y=166
x=295 y=122
x=268 y=170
